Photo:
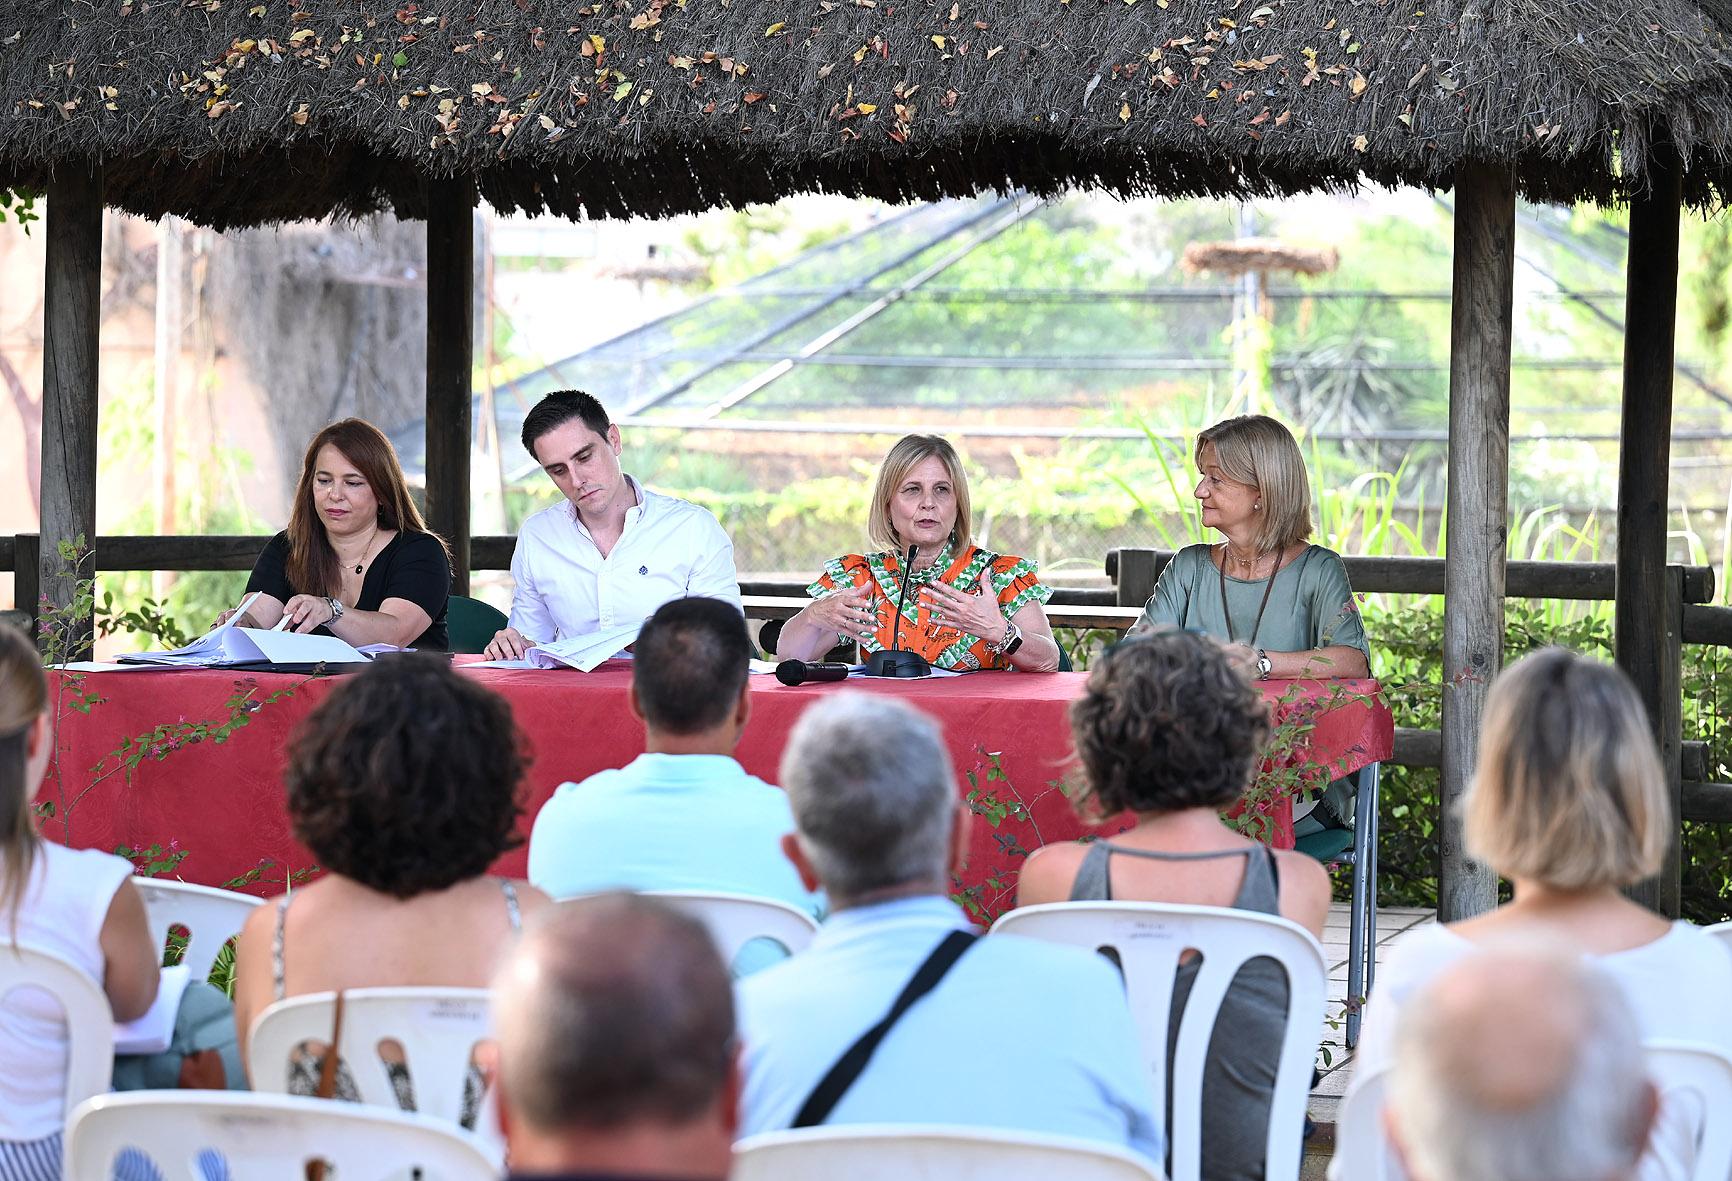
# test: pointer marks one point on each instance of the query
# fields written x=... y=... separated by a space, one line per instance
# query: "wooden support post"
x=27 y=577
x=1481 y=314
x=450 y=363
x=1645 y=633
x=71 y=316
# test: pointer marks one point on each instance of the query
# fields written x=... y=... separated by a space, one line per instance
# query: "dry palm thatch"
x=233 y=112
x=1258 y=256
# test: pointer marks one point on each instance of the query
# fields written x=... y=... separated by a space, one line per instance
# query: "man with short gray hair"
x=1518 y=1065
x=896 y=1014
x=615 y=1026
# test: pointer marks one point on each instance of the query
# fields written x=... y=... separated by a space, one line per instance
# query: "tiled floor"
x=1391 y=922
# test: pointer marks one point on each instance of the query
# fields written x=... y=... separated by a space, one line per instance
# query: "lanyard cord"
x=1227 y=612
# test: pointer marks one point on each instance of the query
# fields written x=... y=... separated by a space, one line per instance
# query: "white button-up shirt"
x=670 y=549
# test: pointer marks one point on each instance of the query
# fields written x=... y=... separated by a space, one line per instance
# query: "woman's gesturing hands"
x=975 y=612
x=847 y=613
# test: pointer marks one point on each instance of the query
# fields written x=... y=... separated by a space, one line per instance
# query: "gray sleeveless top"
x=1239 y=1080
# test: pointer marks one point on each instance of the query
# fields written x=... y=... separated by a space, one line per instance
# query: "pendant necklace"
x=1227 y=612
x=369 y=545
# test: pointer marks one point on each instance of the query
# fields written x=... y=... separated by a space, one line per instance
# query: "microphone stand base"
x=897 y=664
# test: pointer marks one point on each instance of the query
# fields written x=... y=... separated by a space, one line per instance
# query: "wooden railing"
x=1133 y=573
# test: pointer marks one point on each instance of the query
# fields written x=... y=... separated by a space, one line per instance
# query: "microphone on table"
x=894 y=662
x=798 y=672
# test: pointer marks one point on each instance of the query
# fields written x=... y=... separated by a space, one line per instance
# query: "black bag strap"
x=830 y=1089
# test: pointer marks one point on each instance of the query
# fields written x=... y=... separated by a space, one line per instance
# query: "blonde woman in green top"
x=1285 y=603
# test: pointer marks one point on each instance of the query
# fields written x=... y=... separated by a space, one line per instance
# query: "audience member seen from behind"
x=683 y=815
x=1283 y=603
x=404 y=786
x=1519 y=1065
x=967 y=607
x=612 y=551
x=1016 y=1034
x=1170 y=730
x=617 y=1059
x=1568 y=802
x=357 y=561
x=78 y=904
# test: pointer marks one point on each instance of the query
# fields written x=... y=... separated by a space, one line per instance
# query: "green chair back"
x=470 y=624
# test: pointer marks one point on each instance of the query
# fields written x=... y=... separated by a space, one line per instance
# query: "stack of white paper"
x=151 y=1033
x=579 y=652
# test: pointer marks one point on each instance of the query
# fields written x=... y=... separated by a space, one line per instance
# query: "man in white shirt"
x=684 y=815
x=1015 y=1034
x=612 y=551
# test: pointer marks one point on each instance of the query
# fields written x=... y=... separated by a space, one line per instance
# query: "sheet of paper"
x=151 y=1033
x=764 y=666
x=293 y=648
x=502 y=664
x=100 y=666
x=584 y=652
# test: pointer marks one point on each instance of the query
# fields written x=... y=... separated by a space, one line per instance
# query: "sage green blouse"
x=1311 y=604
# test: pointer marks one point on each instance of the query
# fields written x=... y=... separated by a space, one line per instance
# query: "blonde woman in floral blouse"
x=967 y=607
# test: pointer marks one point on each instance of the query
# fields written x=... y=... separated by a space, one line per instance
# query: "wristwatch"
x=1009 y=642
x=336 y=610
x=1264 y=665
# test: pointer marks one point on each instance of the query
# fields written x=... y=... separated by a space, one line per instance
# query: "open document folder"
x=229 y=644
x=579 y=652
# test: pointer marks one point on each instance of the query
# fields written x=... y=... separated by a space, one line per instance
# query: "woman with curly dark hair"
x=404 y=784
x=1170 y=730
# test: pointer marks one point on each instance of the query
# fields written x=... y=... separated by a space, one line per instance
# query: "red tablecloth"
x=220 y=802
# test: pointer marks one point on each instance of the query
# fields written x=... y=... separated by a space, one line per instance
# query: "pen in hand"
x=282 y=623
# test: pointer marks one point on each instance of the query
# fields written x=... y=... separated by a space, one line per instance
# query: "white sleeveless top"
x=63 y=911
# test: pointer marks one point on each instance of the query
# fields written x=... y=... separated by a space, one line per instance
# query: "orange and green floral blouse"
x=1014 y=579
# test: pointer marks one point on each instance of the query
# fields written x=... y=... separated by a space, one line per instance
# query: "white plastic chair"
x=735 y=920
x=931 y=1152
x=211 y=916
x=1677 y=1067
x=266 y=1136
x=89 y=1020
x=1705 y=1073
x=1148 y=939
x=438 y=1029
x=1362 y=1151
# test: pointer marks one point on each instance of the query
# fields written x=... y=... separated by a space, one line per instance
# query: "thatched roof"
x=244 y=111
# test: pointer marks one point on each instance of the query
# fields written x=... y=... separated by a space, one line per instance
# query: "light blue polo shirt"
x=667 y=822
x=1019 y=1034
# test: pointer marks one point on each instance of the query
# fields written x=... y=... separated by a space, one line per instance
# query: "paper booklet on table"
x=580 y=652
x=151 y=1033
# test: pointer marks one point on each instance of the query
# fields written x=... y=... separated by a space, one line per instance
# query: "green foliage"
x=19 y=206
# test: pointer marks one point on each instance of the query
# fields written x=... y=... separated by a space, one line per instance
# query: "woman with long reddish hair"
x=357 y=560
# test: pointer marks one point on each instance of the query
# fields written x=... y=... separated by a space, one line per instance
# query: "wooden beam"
x=71 y=317
x=450 y=366
x=1645 y=621
x=1482 y=310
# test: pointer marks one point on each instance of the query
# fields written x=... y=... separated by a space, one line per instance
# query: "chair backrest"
x=735 y=920
x=1148 y=940
x=1702 y=1076
x=89 y=1020
x=1685 y=1073
x=211 y=916
x=267 y=1136
x=915 y=1152
x=1721 y=931
x=471 y=624
x=438 y=1029
x=1362 y=1151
